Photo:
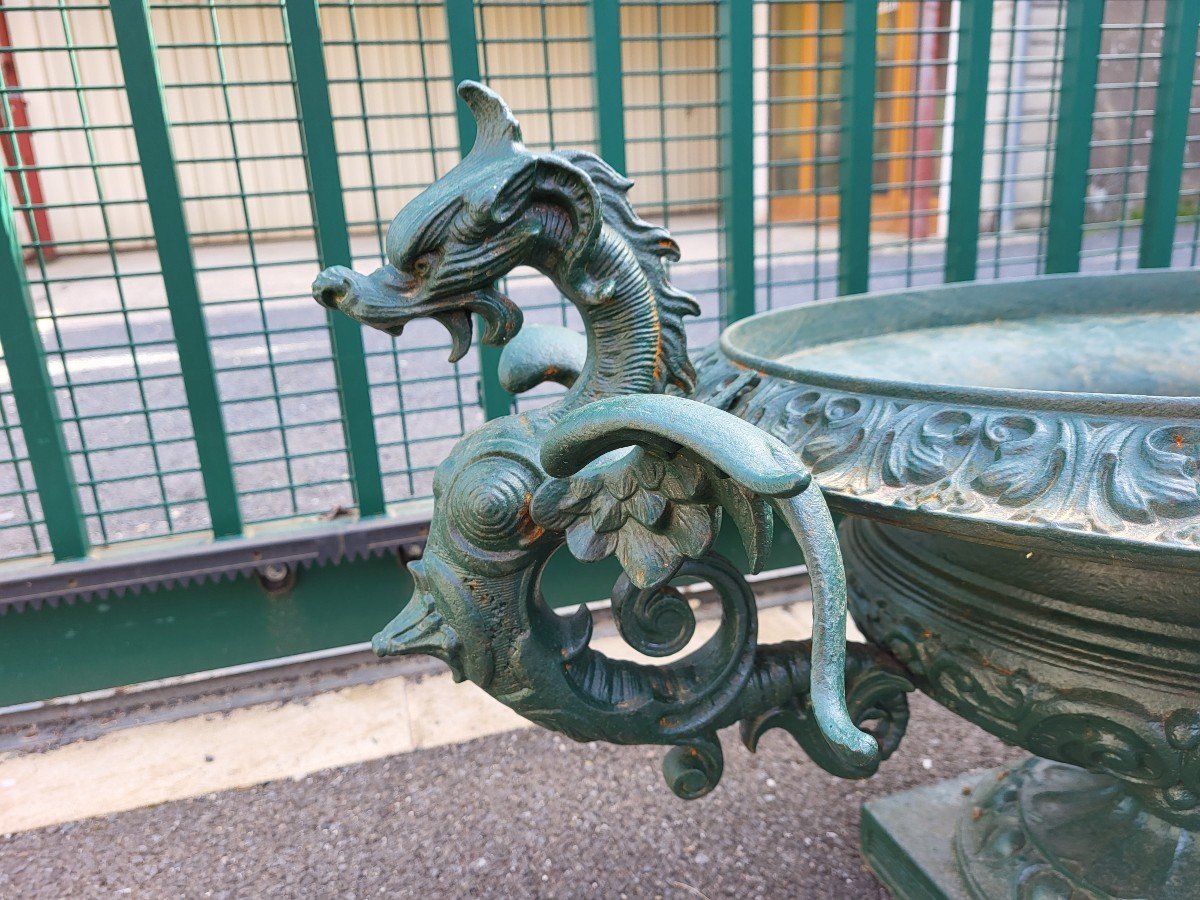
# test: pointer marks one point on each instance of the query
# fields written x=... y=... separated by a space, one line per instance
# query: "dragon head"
x=500 y=207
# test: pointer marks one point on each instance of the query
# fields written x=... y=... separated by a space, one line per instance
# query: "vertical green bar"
x=855 y=172
x=303 y=23
x=151 y=131
x=966 y=160
x=33 y=393
x=464 y=65
x=1073 y=134
x=610 y=90
x=737 y=170
x=1172 y=108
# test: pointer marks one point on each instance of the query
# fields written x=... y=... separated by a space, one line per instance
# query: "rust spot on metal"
x=529 y=530
x=1006 y=672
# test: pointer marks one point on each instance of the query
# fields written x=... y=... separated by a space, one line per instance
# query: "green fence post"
x=1073 y=135
x=1172 y=109
x=608 y=80
x=464 y=65
x=966 y=160
x=737 y=170
x=306 y=54
x=855 y=170
x=33 y=393
x=151 y=131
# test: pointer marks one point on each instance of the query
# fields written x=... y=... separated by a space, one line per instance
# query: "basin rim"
x=1025 y=295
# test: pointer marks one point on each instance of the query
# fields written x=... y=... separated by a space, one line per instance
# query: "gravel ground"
x=524 y=814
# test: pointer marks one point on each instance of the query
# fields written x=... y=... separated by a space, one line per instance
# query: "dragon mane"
x=654 y=248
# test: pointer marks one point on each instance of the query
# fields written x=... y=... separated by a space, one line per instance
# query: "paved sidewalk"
x=520 y=814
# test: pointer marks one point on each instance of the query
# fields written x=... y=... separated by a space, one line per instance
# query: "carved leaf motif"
x=647 y=507
x=927 y=448
x=693 y=528
x=606 y=512
x=554 y=503
x=751 y=514
x=587 y=544
x=1155 y=470
x=648 y=558
x=682 y=479
x=608 y=509
x=838 y=434
x=1026 y=459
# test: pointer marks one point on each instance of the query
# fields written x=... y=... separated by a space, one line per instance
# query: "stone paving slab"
x=172 y=760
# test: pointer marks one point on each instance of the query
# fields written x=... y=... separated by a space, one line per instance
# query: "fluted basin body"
x=1019 y=463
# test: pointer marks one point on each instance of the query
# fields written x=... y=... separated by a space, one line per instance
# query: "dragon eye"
x=422 y=265
x=488 y=500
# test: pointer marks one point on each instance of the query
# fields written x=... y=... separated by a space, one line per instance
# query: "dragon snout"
x=332 y=286
x=420 y=629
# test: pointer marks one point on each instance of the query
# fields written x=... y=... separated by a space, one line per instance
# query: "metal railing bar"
x=135 y=45
x=1073 y=133
x=970 y=123
x=609 y=81
x=1172 y=110
x=857 y=141
x=34 y=396
x=737 y=169
x=302 y=26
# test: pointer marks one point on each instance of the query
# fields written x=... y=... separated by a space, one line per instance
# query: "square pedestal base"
x=907 y=839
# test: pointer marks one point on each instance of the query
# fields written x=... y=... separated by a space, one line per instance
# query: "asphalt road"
x=278 y=384
x=525 y=814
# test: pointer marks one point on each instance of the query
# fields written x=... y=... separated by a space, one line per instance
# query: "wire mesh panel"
x=671 y=80
x=236 y=133
x=1130 y=54
x=910 y=177
x=877 y=145
x=1025 y=70
x=1185 y=248
x=393 y=103
x=22 y=528
x=798 y=131
x=98 y=295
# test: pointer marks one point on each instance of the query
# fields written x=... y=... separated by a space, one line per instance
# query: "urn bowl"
x=1018 y=464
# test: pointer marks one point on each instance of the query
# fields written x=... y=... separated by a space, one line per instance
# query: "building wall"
x=402 y=109
x=391 y=94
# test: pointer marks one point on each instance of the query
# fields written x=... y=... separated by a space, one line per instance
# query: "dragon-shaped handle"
x=615 y=467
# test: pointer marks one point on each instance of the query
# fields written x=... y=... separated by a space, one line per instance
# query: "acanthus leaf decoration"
x=1155 y=472
x=1024 y=458
x=1134 y=478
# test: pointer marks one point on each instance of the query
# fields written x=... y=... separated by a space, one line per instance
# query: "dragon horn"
x=498 y=128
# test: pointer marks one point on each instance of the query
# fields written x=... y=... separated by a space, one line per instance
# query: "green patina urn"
x=1017 y=463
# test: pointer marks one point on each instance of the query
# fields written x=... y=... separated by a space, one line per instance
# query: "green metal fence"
x=176 y=173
